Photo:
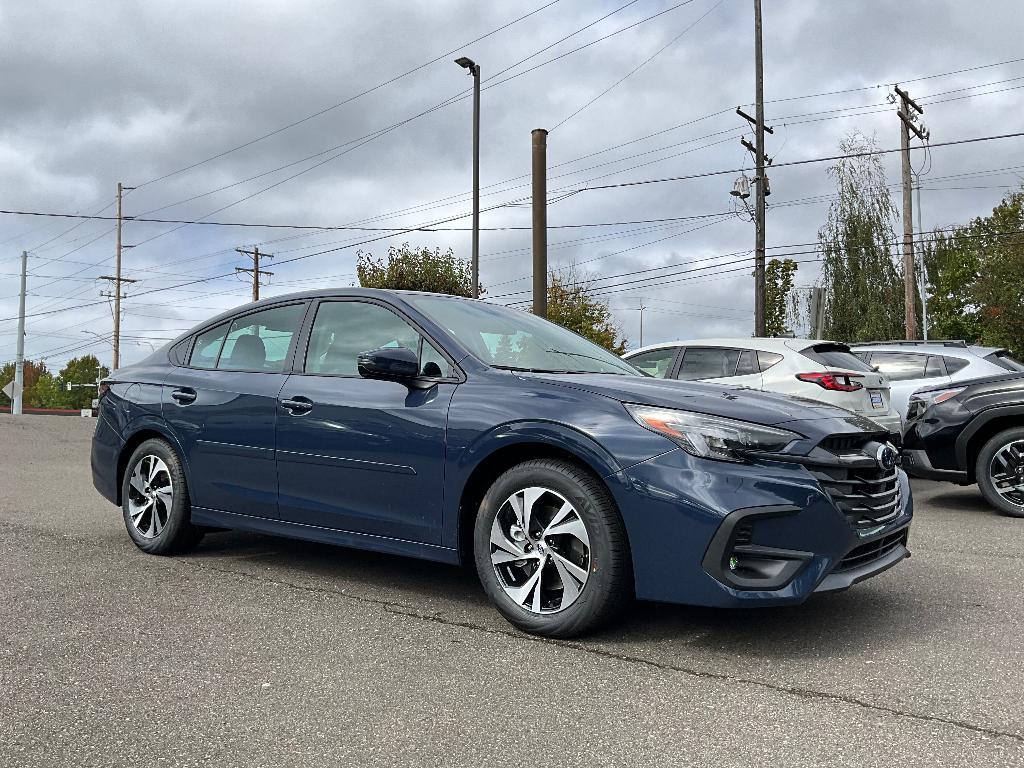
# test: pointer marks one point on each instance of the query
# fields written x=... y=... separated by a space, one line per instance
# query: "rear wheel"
x=1000 y=472
x=551 y=550
x=155 y=502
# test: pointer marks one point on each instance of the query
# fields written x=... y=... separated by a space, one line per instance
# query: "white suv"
x=911 y=365
x=818 y=370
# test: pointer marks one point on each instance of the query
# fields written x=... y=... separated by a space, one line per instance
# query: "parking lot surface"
x=260 y=651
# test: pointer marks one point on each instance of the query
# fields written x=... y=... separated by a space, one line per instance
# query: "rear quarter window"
x=955 y=364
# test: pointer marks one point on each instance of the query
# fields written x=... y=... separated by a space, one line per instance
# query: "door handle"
x=297 y=405
x=184 y=396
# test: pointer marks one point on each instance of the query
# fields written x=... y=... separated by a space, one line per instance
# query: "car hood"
x=713 y=399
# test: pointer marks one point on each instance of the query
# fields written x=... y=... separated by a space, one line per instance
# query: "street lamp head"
x=467 y=63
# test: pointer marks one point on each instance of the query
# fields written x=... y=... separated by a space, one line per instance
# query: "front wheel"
x=1000 y=472
x=155 y=501
x=551 y=550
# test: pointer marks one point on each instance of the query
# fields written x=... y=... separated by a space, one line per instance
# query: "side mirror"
x=389 y=363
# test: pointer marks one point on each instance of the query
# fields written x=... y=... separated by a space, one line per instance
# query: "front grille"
x=865 y=493
x=872 y=551
x=867 y=497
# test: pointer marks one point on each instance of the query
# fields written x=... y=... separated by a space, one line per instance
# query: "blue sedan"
x=463 y=432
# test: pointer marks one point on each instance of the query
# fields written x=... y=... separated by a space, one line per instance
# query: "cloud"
x=101 y=93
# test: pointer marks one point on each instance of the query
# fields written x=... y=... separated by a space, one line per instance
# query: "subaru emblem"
x=887 y=457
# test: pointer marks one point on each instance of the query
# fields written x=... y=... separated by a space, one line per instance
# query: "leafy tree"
x=860 y=273
x=778 y=285
x=81 y=370
x=952 y=266
x=46 y=392
x=32 y=373
x=417 y=269
x=999 y=288
x=573 y=305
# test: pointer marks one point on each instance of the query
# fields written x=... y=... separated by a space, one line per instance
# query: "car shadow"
x=967 y=500
x=825 y=626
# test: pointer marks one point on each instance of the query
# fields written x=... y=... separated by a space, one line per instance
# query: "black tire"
x=609 y=583
x=176 y=534
x=983 y=472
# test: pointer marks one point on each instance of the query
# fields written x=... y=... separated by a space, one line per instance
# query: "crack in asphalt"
x=402 y=609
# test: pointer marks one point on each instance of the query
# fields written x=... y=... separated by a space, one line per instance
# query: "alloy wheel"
x=150 y=496
x=1007 y=472
x=540 y=550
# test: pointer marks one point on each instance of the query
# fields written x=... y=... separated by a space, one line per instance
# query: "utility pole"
x=255 y=269
x=19 y=364
x=907 y=119
x=762 y=188
x=116 y=294
x=540 y=222
x=116 y=361
x=759 y=242
x=642 y=308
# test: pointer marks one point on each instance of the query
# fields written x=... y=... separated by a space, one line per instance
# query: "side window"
x=708 y=363
x=657 y=362
x=900 y=366
x=260 y=341
x=207 y=348
x=767 y=359
x=177 y=353
x=934 y=367
x=344 y=329
x=747 y=364
x=954 y=364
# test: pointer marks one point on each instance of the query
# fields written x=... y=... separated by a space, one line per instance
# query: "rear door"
x=361 y=455
x=720 y=365
x=222 y=406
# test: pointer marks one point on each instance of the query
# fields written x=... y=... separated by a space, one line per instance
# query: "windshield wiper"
x=528 y=370
x=588 y=357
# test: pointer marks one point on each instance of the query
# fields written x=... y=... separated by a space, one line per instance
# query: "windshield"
x=515 y=340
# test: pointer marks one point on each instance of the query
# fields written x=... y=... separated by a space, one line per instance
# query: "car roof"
x=780 y=344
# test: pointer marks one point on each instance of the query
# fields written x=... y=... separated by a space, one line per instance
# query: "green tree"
x=573 y=305
x=999 y=289
x=46 y=392
x=952 y=266
x=417 y=269
x=860 y=274
x=778 y=286
x=81 y=370
x=32 y=373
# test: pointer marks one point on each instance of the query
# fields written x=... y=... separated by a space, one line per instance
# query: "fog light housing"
x=734 y=559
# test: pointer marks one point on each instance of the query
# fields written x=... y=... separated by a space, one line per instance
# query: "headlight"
x=711 y=437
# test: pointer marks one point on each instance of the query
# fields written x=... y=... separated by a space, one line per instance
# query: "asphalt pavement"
x=255 y=651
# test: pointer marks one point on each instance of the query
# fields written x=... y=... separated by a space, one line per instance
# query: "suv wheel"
x=1000 y=472
x=155 y=502
x=551 y=550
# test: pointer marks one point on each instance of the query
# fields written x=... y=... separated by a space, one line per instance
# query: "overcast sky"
x=96 y=93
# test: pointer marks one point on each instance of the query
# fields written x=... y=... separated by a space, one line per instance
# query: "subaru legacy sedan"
x=464 y=432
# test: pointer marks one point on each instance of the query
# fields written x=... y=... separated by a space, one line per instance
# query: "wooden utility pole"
x=255 y=269
x=540 y=222
x=121 y=189
x=17 y=393
x=759 y=241
x=907 y=119
x=116 y=294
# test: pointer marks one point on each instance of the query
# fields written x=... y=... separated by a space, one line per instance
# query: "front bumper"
x=683 y=514
x=917 y=464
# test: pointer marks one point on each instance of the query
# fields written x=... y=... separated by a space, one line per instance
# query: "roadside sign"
x=87 y=413
x=10 y=390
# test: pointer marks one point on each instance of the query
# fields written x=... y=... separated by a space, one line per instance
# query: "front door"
x=356 y=454
x=223 y=407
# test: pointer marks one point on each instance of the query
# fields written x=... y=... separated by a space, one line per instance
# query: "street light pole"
x=474 y=69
